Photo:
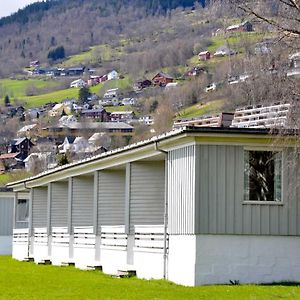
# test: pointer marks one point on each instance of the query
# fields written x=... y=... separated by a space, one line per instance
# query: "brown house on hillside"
x=162 y=79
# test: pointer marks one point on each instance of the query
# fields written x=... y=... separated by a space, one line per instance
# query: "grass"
x=118 y=108
x=91 y=56
x=17 y=88
x=200 y=109
x=21 y=280
x=58 y=96
x=11 y=177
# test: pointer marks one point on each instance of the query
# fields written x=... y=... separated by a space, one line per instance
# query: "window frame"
x=258 y=202
x=18 y=220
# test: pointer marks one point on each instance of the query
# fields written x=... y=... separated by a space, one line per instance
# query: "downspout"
x=29 y=219
x=165 y=254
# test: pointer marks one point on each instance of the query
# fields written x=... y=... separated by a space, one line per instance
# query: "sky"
x=7 y=7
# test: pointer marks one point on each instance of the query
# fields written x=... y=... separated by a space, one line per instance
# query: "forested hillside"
x=75 y=24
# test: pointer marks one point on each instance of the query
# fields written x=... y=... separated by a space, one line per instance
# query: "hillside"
x=76 y=25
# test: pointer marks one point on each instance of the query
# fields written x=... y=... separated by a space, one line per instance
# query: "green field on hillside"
x=16 y=88
x=58 y=96
x=200 y=109
x=22 y=280
x=103 y=52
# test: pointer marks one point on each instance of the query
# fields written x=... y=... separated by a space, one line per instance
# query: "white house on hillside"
x=113 y=75
x=79 y=83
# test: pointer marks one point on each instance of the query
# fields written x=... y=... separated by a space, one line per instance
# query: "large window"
x=263 y=175
x=22 y=210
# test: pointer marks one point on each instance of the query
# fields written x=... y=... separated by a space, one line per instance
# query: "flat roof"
x=174 y=133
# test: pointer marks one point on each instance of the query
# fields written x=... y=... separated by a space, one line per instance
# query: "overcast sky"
x=7 y=7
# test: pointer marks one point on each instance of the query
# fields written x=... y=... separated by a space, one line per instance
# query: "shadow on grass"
x=283 y=283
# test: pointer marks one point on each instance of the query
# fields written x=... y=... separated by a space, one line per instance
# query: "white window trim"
x=257 y=202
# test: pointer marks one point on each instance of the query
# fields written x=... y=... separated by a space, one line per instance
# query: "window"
x=263 y=176
x=22 y=210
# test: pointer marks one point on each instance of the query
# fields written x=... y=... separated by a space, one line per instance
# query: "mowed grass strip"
x=21 y=280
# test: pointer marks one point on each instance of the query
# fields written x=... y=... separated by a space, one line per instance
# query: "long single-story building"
x=195 y=206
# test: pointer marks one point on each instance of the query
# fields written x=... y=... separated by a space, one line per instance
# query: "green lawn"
x=105 y=52
x=199 y=109
x=17 y=87
x=58 y=96
x=21 y=280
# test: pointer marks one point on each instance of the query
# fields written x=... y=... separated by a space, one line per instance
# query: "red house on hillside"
x=162 y=79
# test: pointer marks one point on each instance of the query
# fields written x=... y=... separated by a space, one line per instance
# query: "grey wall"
x=219 y=194
x=111 y=198
x=83 y=199
x=39 y=207
x=6 y=215
x=59 y=204
x=147 y=189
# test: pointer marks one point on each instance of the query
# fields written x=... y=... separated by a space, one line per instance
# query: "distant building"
x=205 y=55
x=79 y=83
x=28 y=130
x=223 y=119
x=122 y=116
x=242 y=27
x=142 y=84
x=162 y=79
x=113 y=75
x=294 y=69
x=224 y=51
x=277 y=115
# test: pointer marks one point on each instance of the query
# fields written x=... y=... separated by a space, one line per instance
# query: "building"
x=7 y=198
x=205 y=55
x=20 y=146
x=101 y=114
x=79 y=83
x=162 y=79
x=28 y=131
x=122 y=116
x=220 y=120
x=282 y=115
x=224 y=51
x=189 y=206
x=88 y=128
x=113 y=75
x=242 y=27
x=294 y=69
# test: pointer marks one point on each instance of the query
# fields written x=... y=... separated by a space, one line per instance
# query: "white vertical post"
x=70 y=200
x=95 y=204
x=95 y=217
x=70 y=227
x=127 y=198
x=15 y=209
x=30 y=223
x=49 y=230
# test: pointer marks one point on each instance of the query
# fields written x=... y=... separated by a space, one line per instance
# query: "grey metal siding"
x=181 y=190
x=83 y=198
x=39 y=207
x=220 y=195
x=59 y=204
x=147 y=190
x=111 y=198
x=6 y=215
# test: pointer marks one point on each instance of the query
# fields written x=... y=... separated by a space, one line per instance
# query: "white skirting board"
x=219 y=259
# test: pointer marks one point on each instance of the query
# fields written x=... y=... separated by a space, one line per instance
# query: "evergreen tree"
x=6 y=100
x=57 y=53
x=83 y=94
